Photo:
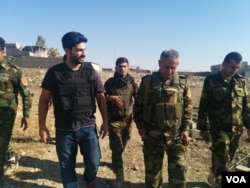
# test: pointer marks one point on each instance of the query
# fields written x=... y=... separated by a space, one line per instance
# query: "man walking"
x=120 y=92
x=74 y=87
x=163 y=112
x=225 y=104
x=12 y=82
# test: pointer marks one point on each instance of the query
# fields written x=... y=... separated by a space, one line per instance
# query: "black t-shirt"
x=49 y=83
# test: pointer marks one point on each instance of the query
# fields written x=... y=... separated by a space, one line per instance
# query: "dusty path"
x=38 y=166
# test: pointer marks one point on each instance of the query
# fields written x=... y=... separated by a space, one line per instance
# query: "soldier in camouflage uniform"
x=120 y=92
x=162 y=113
x=225 y=104
x=11 y=83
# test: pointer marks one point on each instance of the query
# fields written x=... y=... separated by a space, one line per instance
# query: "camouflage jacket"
x=224 y=104
x=12 y=82
x=150 y=96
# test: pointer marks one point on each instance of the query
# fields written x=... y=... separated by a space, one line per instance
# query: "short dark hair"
x=70 y=39
x=233 y=55
x=2 y=43
x=121 y=60
x=169 y=54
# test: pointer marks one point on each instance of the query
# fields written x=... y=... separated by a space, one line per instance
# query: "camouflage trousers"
x=224 y=146
x=154 y=149
x=7 y=119
x=119 y=134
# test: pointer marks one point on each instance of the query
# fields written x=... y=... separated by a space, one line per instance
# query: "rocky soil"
x=38 y=165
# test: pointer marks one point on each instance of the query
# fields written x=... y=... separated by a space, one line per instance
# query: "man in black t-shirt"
x=74 y=87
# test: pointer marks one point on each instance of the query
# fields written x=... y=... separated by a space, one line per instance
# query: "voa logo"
x=236 y=179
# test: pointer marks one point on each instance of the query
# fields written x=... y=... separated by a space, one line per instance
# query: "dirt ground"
x=38 y=166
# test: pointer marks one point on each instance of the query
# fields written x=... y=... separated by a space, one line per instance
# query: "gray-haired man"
x=162 y=113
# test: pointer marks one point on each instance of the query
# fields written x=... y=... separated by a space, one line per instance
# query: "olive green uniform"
x=120 y=118
x=225 y=105
x=163 y=110
x=11 y=83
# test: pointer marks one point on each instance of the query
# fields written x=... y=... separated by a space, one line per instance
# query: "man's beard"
x=76 y=60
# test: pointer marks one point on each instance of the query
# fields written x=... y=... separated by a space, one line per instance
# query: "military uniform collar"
x=170 y=80
x=226 y=80
x=4 y=63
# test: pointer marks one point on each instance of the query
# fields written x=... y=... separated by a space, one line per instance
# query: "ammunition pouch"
x=168 y=115
x=74 y=101
x=163 y=106
x=171 y=95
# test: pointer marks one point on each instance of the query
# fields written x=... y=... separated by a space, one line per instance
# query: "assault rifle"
x=238 y=162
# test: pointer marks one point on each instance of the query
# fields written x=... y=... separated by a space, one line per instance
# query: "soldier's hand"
x=185 y=138
x=204 y=135
x=25 y=123
x=116 y=100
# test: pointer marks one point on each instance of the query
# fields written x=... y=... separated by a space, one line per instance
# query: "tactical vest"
x=163 y=102
x=74 y=96
x=228 y=104
x=126 y=93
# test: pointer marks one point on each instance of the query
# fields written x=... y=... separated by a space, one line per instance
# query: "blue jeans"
x=67 y=143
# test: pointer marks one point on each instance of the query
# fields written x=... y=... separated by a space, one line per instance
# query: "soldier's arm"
x=138 y=106
x=187 y=109
x=25 y=93
x=246 y=112
x=203 y=108
x=246 y=109
x=135 y=87
x=107 y=87
x=115 y=99
x=26 y=98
